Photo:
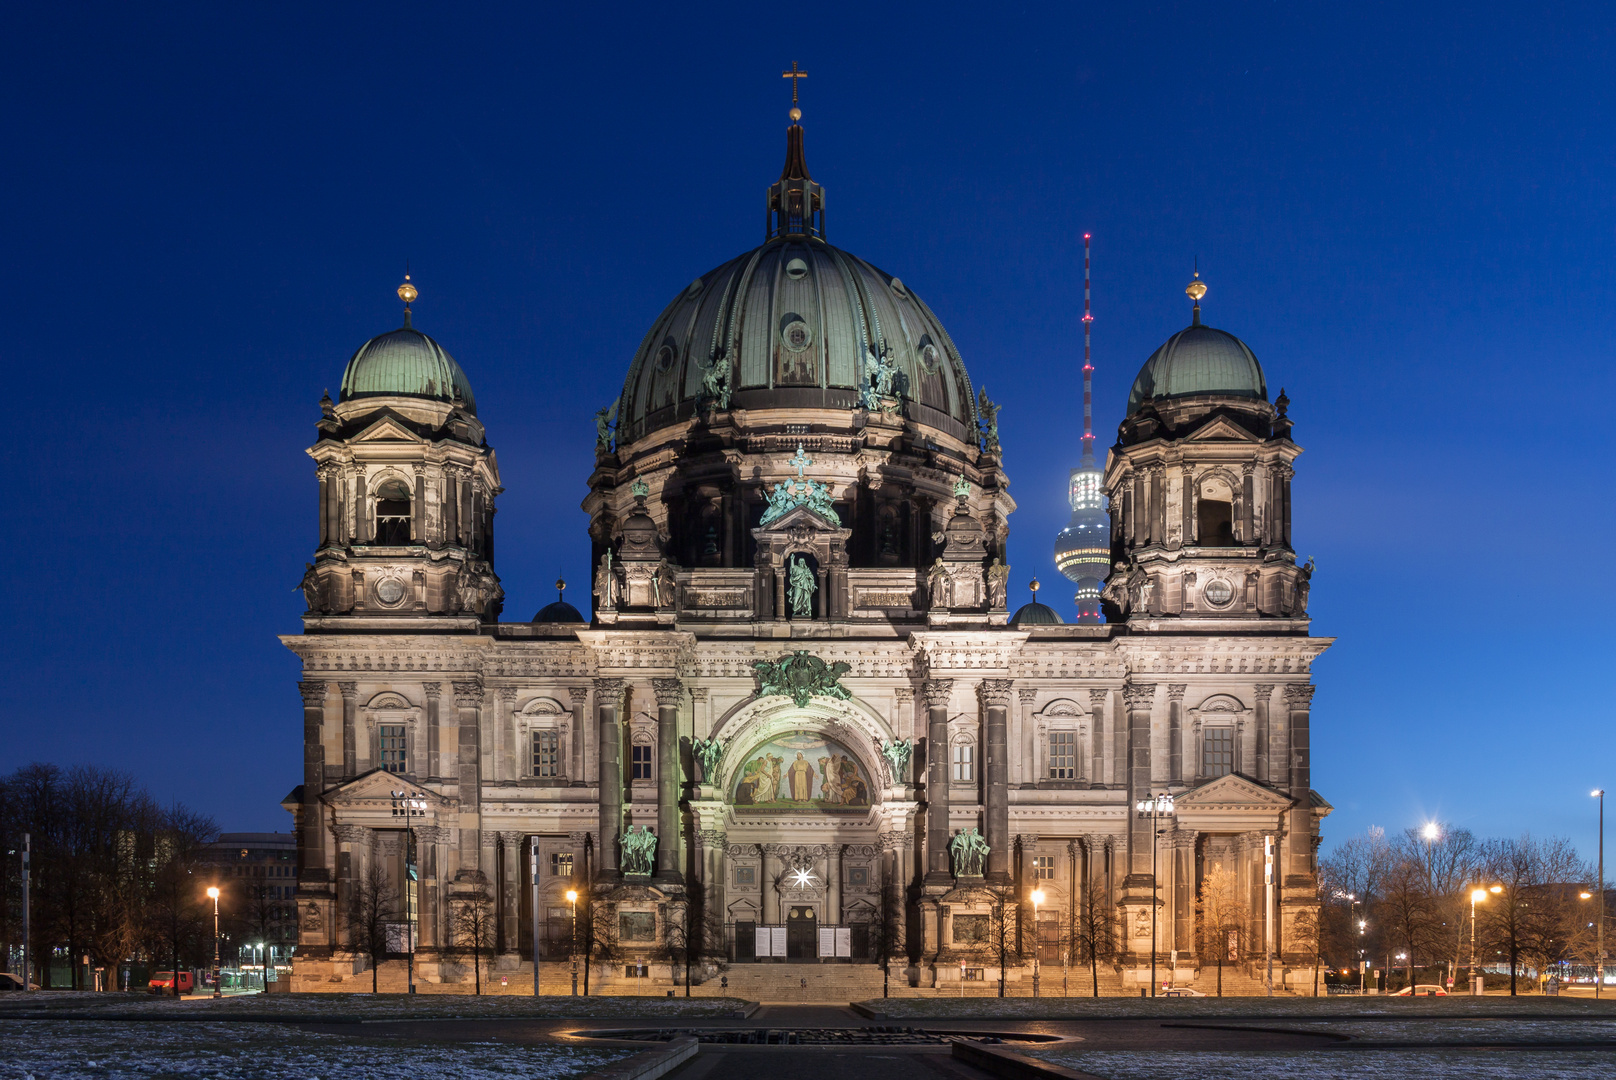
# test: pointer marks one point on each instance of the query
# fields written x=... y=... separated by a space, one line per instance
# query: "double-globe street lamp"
x=1156 y=807
x=1037 y=899
x=1477 y=895
x=409 y=806
x=213 y=892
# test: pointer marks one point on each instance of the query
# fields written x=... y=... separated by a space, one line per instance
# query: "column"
x=1187 y=521
x=468 y=694
x=311 y=864
x=1097 y=735
x=769 y=886
x=608 y=699
x=1138 y=512
x=1158 y=509
x=511 y=845
x=833 y=884
x=1298 y=820
x=360 y=533
x=429 y=842
x=1248 y=491
x=1175 y=731
x=937 y=692
x=450 y=507
x=1026 y=771
x=488 y=867
x=575 y=765
x=418 y=507
x=325 y=505
x=669 y=693
x=506 y=755
x=352 y=841
x=1183 y=871
x=1139 y=698
x=995 y=695
x=350 y=737
x=1285 y=474
x=1119 y=741
x=1264 y=692
x=434 y=765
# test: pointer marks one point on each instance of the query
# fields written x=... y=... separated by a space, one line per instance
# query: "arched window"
x=1214 y=514
x=393 y=513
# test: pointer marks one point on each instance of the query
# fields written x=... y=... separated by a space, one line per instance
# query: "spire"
x=1088 y=366
x=796 y=205
x=1195 y=290
x=407 y=293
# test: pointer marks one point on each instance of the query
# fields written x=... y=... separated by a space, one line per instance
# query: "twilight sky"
x=1405 y=209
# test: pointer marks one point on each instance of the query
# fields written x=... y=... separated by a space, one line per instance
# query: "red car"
x=162 y=982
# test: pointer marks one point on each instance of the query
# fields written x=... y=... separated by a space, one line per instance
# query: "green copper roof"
x=1035 y=614
x=406 y=362
x=1199 y=360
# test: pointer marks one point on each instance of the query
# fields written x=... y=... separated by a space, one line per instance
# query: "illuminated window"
x=1043 y=867
x=1063 y=755
x=560 y=864
x=547 y=754
x=1217 y=751
x=393 y=513
x=964 y=765
x=393 y=751
x=640 y=761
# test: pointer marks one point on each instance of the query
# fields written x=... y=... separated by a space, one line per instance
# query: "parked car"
x=1180 y=991
x=162 y=982
x=9 y=982
x=1422 y=990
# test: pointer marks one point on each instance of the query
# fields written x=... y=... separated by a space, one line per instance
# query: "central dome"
x=795 y=323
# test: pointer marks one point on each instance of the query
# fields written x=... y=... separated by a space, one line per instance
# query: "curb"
x=867 y=1012
x=1010 y=1065
x=649 y=1064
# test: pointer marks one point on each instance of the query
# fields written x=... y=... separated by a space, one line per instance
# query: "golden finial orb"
x=1196 y=289
x=561 y=585
x=407 y=292
x=795 y=114
x=1034 y=586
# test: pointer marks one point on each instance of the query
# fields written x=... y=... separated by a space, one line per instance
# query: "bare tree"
x=262 y=916
x=1220 y=918
x=474 y=929
x=1094 y=932
x=1004 y=931
x=886 y=931
x=1525 y=920
x=372 y=906
x=177 y=919
x=1407 y=909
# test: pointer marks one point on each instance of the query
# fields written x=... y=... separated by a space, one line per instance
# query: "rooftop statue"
x=801 y=588
x=968 y=849
x=603 y=427
x=801 y=677
x=790 y=494
x=897 y=752
x=987 y=420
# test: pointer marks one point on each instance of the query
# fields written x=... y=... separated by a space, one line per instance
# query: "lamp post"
x=572 y=898
x=409 y=807
x=1037 y=898
x=1476 y=896
x=1599 y=933
x=1156 y=807
x=1363 y=966
x=213 y=891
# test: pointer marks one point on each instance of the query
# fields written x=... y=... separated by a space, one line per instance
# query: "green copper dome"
x=1035 y=614
x=406 y=363
x=1199 y=360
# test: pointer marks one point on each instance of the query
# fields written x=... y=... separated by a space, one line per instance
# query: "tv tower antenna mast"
x=1083 y=548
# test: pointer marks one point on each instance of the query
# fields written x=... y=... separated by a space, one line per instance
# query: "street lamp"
x=1476 y=896
x=1037 y=898
x=213 y=891
x=572 y=898
x=409 y=807
x=1157 y=806
x=1599 y=934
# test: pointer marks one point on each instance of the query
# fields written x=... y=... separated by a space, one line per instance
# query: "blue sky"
x=1406 y=211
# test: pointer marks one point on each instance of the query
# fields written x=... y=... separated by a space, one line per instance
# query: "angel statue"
x=869 y=397
x=987 y=419
x=800 y=588
x=897 y=753
x=708 y=753
x=604 y=419
x=715 y=383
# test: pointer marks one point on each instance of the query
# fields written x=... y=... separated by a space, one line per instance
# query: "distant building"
x=257 y=878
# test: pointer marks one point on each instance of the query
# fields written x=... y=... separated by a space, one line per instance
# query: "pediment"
x=799 y=517
x=376 y=788
x=1221 y=429
x=1232 y=792
x=387 y=428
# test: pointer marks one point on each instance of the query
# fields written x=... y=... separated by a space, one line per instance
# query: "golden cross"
x=793 y=75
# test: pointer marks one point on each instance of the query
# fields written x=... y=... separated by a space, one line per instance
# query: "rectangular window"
x=1043 y=867
x=560 y=864
x=1063 y=755
x=970 y=929
x=547 y=754
x=1217 y=751
x=975 y=974
x=964 y=768
x=640 y=761
x=392 y=737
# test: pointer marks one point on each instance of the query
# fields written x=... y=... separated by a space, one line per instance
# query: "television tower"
x=1083 y=547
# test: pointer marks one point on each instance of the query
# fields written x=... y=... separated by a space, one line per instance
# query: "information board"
x=844 y=941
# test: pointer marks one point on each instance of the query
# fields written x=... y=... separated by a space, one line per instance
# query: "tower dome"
x=406 y=363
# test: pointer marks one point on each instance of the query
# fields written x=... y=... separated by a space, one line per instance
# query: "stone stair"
x=793 y=983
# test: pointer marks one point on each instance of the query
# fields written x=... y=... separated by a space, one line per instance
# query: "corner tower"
x=407 y=486
x=1200 y=489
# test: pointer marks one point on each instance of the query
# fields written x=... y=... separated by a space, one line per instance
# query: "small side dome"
x=558 y=611
x=1199 y=360
x=406 y=363
x=1035 y=614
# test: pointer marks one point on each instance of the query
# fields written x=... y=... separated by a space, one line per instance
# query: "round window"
x=796 y=268
x=929 y=358
x=797 y=336
x=1218 y=592
x=898 y=287
x=664 y=358
x=390 y=590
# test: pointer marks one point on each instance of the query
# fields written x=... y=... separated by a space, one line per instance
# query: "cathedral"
x=799 y=727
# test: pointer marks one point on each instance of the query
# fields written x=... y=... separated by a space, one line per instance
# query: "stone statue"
x=311 y=588
x=715 y=383
x=1139 y=590
x=897 y=752
x=638 y=845
x=937 y=584
x=998 y=584
x=708 y=753
x=311 y=919
x=802 y=677
x=968 y=849
x=476 y=588
x=603 y=580
x=886 y=372
x=987 y=420
x=1115 y=591
x=800 y=588
x=869 y=396
x=604 y=419
x=662 y=585
x=1304 y=578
